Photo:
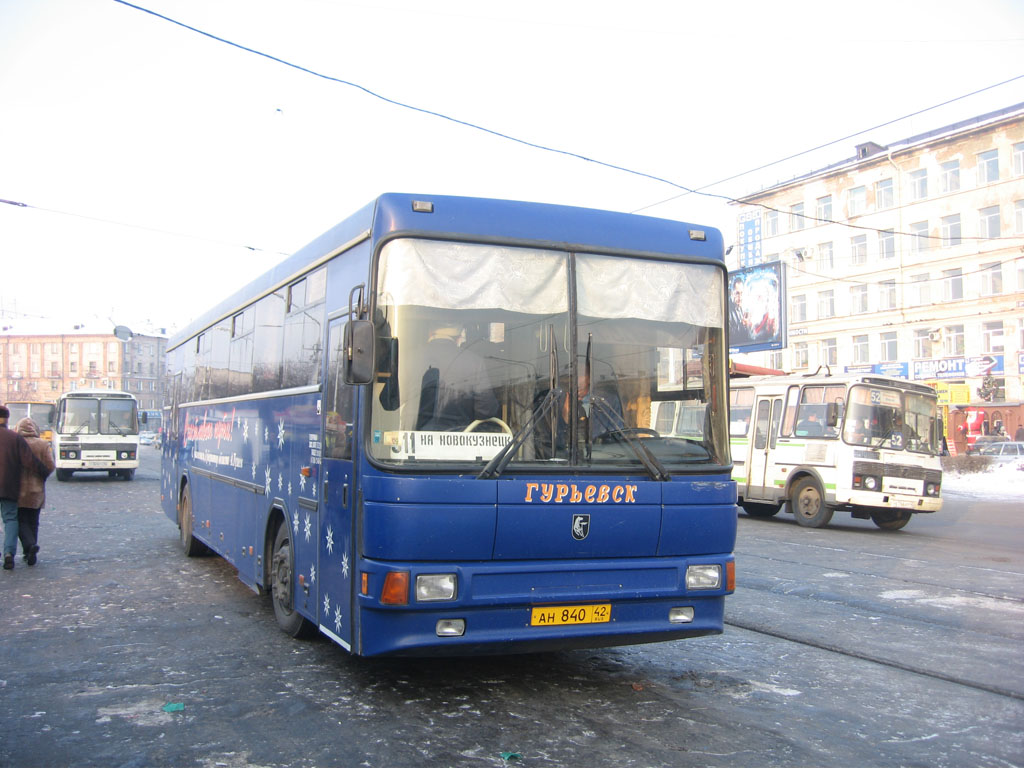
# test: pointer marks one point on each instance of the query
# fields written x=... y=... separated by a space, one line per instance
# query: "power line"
x=535 y=145
x=830 y=143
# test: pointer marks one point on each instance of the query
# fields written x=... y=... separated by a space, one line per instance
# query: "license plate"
x=558 y=615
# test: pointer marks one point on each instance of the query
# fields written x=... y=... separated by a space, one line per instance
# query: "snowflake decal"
x=344 y=565
x=245 y=431
x=254 y=470
x=280 y=434
x=280 y=481
x=330 y=540
x=337 y=619
x=327 y=604
x=289 y=487
x=267 y=486
x=295 y=522
x=306 y=528
x=312 y=574
x=302 y=482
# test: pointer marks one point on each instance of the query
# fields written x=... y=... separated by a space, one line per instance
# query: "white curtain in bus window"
x=465 y=276
x=650 y=290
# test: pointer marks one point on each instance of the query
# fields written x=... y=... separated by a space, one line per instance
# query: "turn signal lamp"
x=396 y=588
x=730 y=576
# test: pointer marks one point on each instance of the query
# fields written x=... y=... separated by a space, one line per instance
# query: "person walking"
x=14 y=454
x=33 y=489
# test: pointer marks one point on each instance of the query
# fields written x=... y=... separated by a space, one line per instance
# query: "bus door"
x=336 y=549
x=761 y=464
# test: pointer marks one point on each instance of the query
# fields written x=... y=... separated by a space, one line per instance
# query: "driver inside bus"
x=456 y=389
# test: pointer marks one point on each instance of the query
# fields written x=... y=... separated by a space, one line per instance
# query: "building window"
x=887 y=294
x=1018 y=159
x=988 y=167
x=922 y=343
x=826 y=304
x=887 y=244
x=859 y=249
x=883 y=194
x=823 y=210
x=858 y=201
x=949 y=177
x=826 y=262
x=919 y=237
x=953 y=340
x=796 y=217
x=1018 y=217
x=775 y=360
x=829 y=352
x=771 y=223
x=991 y=279
x=889 y=347
x=860 y=349
x=858 y=299
x=919 y=184
x=988 y=221
x=800 y=354
x=799 y=308
x=73 y=366
x=950 y=230
x=992 y=337
x=952 y=284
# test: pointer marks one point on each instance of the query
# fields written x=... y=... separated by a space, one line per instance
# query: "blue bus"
x=433 y=430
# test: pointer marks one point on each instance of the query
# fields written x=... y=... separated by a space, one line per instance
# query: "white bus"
x=858 y=443
x=96 y=430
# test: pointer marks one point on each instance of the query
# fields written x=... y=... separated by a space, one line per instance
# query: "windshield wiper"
x=654 y=467
x=114 y=426
x=501 y=459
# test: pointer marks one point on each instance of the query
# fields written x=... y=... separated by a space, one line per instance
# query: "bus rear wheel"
x=890 y=520
x=282 y=573
x=193 y=547
x=807 y=504
x=754 y=509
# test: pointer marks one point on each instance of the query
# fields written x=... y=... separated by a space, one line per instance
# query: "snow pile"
x=1003 y=481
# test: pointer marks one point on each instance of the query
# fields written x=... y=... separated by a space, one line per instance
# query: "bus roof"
x=107 y=393
x=835 y=378
x=545 y=225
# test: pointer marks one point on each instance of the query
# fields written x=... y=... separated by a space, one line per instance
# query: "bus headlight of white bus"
x=431 y=587
x=867 y=482
x=931 y=489
x=708 y=576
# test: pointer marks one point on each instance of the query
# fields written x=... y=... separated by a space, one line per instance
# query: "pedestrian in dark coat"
x=33 y=490
x=14 y=454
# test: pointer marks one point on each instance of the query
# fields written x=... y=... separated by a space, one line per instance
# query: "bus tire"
x=890 y=520
x=186 y=521
x=63 y=475
x=807 y=503
x=282 y=573
x=760 y=510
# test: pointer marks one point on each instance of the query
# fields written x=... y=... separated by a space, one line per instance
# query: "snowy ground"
x=1004 y=481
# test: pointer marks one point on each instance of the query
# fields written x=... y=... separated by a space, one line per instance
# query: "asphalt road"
x=847 y=646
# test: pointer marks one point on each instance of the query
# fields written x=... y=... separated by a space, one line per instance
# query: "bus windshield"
x=90 y=416
x=888 y=418
x=40 y=413
x=554 y=358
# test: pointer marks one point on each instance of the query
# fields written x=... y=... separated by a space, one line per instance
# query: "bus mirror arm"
x=359 y=348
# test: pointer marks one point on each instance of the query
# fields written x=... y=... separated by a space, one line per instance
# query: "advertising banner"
x=757 y=308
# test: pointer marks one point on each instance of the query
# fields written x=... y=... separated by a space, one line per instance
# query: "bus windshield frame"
x=97 y=415
x=484 y=349
x=894 y=419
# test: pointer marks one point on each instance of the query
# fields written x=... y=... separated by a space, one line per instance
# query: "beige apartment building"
x=42 y=366
x=908 y=260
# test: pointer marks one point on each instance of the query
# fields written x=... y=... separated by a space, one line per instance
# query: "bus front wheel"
x=63 y=474
x=807 y=503
x=193 y=547
x=890 y=520
x=282 y=589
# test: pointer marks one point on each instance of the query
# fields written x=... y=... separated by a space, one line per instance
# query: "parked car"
x=983 y=440
x=147 y=438
x=1003 y=452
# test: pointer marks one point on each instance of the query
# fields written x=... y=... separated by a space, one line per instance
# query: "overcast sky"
x=163 y=168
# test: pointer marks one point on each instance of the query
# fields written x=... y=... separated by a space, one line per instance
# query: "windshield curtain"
x=480 y=345
x=888 y=418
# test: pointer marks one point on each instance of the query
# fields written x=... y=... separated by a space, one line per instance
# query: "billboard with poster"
x=757 y=308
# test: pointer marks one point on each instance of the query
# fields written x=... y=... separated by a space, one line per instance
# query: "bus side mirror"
x=833 y=412
x=143 y=418
x=359 y=345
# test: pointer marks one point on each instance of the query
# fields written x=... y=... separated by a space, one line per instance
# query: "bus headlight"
x=431 y=587
x=867 y=482
x=703 y=576
x=932 y=489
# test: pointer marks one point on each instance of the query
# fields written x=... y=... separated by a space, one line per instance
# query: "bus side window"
x=764 y=408
x=340 y=400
